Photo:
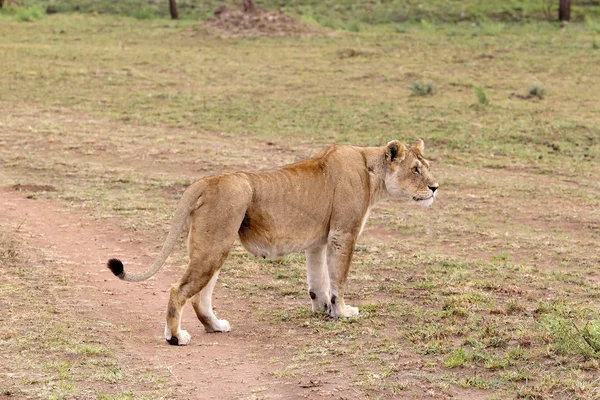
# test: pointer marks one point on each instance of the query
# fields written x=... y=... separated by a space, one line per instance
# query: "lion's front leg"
x=340 y=247
x=318 y=278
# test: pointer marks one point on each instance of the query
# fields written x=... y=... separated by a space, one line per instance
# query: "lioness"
x=318 y=206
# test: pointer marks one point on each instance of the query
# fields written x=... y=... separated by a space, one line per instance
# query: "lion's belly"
x=264 y=249
x=289 y=212
x=267 y=238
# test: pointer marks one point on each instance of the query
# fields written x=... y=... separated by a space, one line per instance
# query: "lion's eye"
x=416 y=170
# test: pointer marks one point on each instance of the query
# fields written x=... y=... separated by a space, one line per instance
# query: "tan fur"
x=319 y=206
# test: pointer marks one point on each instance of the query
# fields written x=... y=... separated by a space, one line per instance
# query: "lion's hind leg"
x=173 y=332
x=202 y=303
x=211 y=236
x=198 y=280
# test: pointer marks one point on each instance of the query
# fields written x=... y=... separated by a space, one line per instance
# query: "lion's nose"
x=433 y=188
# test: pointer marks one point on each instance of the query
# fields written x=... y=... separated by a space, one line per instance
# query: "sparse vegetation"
x=481 y=94
x=458 y=358
x=49 y=347
x=419 y=88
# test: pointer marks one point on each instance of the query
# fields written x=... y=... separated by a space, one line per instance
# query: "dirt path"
x=229 y=366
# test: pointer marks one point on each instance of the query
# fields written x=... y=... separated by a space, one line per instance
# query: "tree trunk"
x=564 y=10
x=173 y=9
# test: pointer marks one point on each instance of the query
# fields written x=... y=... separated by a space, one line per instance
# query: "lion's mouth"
x=423 y=198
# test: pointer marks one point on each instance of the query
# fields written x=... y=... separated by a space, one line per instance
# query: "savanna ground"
x=492 y=293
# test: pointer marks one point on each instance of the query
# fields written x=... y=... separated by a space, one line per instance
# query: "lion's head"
x=408 y=173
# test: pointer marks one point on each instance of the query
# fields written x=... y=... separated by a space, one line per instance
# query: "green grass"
x=458 y=358
x=293 y=93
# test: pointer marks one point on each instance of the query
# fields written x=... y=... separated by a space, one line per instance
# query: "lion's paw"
x=346 y=312
x=182 y=338
x=223 y=326
x=350 y=312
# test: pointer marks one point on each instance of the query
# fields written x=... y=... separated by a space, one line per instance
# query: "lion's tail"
x=184 y=208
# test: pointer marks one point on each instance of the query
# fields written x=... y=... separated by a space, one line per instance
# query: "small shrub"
x=537 y=91
x=422 y=88
x=145 y=13
x=595 y=44
x=482 y=97
x=29 y=14
x=569 y=339
x=353 y=26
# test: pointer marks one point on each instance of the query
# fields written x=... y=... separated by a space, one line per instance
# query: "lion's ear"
x=420 y=146
x=395 y=151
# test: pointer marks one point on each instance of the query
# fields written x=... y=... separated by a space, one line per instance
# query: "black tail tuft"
x=116 y=266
